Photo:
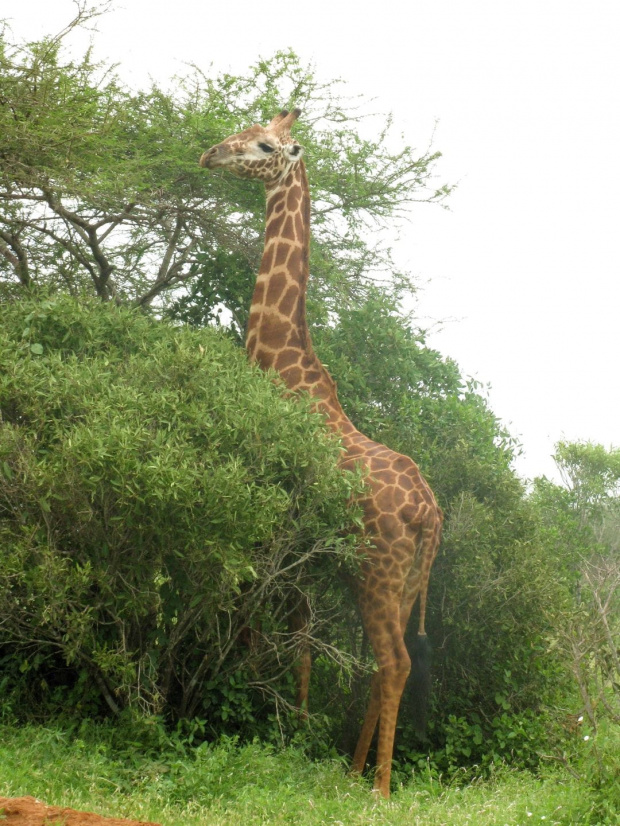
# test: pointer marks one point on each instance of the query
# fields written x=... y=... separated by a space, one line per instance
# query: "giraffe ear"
x=275 y=122
x=288 y=120
x=284 y=120
x=293 y=151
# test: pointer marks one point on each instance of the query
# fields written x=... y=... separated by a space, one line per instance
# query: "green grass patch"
x=99 y=769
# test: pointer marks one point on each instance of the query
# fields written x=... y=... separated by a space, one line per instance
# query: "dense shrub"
x=158 y=497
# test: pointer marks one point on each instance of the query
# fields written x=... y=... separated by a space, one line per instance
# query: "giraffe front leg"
x=298 y=624
x=368 y=728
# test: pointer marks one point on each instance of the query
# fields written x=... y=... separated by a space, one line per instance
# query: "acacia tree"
x=100 y=191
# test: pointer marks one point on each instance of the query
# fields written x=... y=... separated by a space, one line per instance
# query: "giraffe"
x=401 y=518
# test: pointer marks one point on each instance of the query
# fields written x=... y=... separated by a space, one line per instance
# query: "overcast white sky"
x=524 y=270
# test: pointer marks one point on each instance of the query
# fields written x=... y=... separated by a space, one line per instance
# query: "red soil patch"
x=26 y=811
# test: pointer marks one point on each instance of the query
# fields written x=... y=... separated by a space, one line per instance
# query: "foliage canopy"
x=100 y=190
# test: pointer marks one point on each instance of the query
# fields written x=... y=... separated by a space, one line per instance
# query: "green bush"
x=158 y=497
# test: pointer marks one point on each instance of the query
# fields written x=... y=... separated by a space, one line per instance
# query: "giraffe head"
x=267 y=153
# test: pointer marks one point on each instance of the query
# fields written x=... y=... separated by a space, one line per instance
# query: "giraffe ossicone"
x=401 y=517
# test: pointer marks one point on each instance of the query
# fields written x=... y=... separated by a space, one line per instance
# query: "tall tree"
x=100 y=190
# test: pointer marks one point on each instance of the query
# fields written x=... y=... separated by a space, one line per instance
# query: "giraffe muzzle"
x=212 y=157
x=206 y=158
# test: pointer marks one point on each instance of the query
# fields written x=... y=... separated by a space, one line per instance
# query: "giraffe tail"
x=420 y=682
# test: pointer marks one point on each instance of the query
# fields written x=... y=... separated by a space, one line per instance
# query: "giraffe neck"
x=278 y=334
x=278 y=311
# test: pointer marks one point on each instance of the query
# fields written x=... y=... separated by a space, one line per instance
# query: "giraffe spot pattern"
x=400 y=515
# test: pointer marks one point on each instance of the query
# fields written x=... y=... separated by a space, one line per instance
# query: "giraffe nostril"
x=207 y=158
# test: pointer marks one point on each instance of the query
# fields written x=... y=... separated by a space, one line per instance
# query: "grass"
x=224 y=785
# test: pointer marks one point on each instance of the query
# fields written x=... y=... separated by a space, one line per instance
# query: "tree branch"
x=15 y=254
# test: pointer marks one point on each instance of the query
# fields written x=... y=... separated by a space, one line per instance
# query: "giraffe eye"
x=265 y=147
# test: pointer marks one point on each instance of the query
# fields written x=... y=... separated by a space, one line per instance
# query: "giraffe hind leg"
x=382 y=621
x=393 y=679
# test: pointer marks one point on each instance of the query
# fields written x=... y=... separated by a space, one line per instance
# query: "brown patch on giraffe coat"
x=295 y=260
x=294 y=339
x=387 y=562
x=286 y=358
x=385 y=499
x=277 y=199
x=408 y=513
x=398 y=496
x=289 y=300
x=282 y=253
x=319 y=391
x=405 y=482
x=291 y=376
x=274 y=228
x=371 y=526
x=263 y=356
x=277 y=283
x=370 y=508
x=353 y=455
x=426 y=495
x=254 y=319
x=273 y=329
x=293 y=198
x=259 y=294
x=250 y=340
x=288 y=230
x=390 y=526
x=312 y=376
x=267 y=260
x=381 y=451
